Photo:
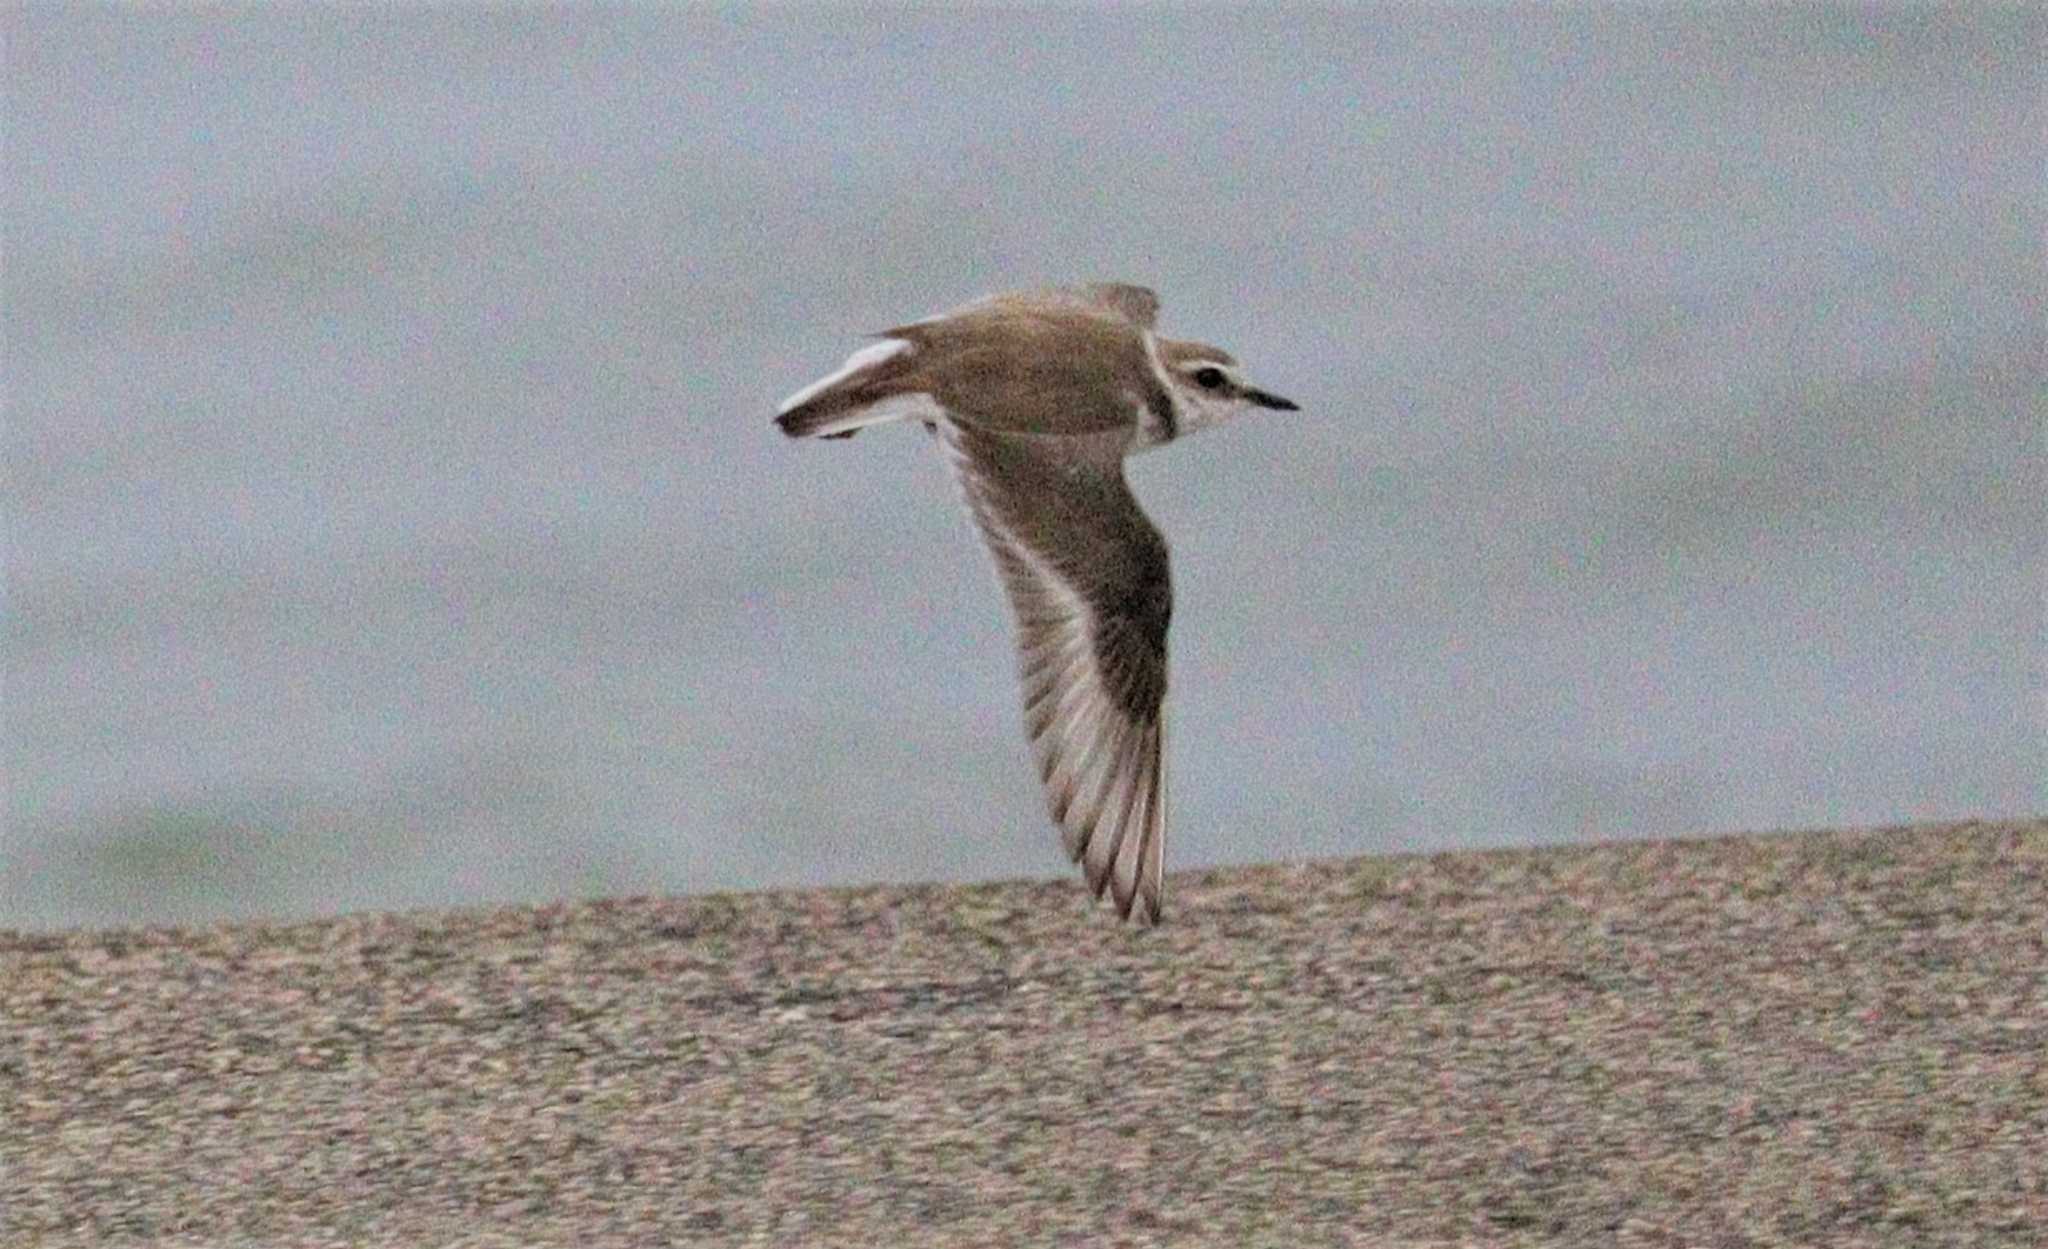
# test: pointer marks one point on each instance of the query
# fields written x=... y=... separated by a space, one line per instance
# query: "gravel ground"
x=1813 y=1039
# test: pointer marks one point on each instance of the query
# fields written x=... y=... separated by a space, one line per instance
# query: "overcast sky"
x=393 y=515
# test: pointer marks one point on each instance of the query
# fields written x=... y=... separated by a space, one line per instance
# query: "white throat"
x=1192 y=411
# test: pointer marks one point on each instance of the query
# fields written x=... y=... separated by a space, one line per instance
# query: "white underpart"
x=866 y=358
x=918 y=406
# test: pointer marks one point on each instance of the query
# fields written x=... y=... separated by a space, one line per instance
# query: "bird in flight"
x=1037 y=397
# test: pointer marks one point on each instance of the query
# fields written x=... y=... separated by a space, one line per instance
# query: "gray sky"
x=393 y=517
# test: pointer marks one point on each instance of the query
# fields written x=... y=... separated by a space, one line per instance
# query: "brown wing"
x=1086 y=574
x=1037 y=364
x=1135 y=304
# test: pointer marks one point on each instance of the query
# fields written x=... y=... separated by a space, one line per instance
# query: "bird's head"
x=1210 y=387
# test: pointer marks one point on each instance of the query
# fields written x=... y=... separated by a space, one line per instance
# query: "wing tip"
x=1118 y=838
x=1143 y=904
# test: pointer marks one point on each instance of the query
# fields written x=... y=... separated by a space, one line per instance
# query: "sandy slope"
x=1817 y=1039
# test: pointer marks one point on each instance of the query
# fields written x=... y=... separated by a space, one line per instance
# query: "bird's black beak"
x=1267 y=399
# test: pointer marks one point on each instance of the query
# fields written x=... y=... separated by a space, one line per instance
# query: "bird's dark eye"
x=1209 y=378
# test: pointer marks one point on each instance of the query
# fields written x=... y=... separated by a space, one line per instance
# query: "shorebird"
x=1038 y=396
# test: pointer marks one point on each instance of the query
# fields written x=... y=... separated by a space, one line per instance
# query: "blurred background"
x=393 y=517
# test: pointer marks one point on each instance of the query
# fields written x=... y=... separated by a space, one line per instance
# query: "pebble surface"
x=1834 y=1038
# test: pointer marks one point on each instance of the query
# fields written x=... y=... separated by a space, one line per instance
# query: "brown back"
x=1029 y=364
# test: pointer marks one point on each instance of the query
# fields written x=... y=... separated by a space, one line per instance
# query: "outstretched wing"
x=1086 y=574
x=1135 y=304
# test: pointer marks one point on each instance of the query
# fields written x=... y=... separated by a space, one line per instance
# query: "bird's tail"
x=865 y=391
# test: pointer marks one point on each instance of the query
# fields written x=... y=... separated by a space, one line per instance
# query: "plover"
x=1038 y=396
